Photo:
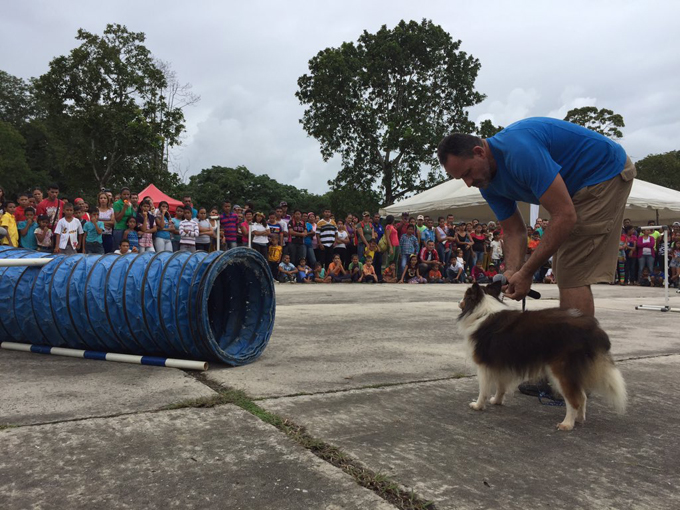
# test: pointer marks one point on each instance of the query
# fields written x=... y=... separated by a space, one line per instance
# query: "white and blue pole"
x=108 y=356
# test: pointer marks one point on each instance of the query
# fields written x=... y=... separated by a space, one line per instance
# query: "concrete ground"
x=376 y=371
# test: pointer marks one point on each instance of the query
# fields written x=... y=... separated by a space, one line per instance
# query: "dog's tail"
x=609 y=383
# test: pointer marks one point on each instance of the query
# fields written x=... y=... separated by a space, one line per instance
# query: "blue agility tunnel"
x=208 y=306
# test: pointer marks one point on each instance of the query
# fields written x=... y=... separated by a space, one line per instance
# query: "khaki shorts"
x=590 y=253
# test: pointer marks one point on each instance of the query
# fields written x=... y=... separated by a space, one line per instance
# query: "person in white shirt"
x=69 y=233
x=456 y=270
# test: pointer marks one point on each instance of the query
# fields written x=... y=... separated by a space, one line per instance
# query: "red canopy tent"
x=158 y=196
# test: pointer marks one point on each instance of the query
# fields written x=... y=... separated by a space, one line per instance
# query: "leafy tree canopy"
x=486 y=129
x=603 y=121
x=384 y=103
x=662 y=169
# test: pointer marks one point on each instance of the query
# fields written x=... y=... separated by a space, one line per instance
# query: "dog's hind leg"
x=581 y=414
x=484 y=389
x=501 y=388
x=574 y=396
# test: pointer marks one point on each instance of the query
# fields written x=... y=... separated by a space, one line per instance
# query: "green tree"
x=662 y=169
x=15 y=174
x=602 y=121
x=104 y=100
x=486 y=129
x=17 y=104
x=385 y=102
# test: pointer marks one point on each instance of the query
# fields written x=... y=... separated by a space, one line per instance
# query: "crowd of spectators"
x=303 y=247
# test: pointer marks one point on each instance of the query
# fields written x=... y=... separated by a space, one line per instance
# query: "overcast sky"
x=539 y=58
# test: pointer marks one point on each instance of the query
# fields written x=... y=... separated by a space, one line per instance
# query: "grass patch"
x=7 y=426
x=377 y=482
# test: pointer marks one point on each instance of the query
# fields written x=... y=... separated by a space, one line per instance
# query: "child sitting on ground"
x=549 y=276
x=355 y=268
x=491 y=272
x=390 y=273
x=434 y=275
x=368 y=273
x=320 y=274
x=411 y=273
x=337 y=272
x=645 y=280
x=478 y=275
x=657 y=277
x=305 y=273
x=287 y=271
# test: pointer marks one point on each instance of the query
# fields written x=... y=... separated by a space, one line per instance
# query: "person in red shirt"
x=491 y=272
x=428 y=258
x=51 y=207
x=19 y=215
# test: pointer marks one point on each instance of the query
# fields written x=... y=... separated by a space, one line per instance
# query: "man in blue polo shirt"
x=580 y=177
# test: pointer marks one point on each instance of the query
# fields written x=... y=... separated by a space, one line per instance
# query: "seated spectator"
x=390 y=273
x=455 y=273
x=124 y=248
x=658 y=277
x=274 y=254
x=674 y=264
x=478 y=275
x=435 y=276
x=549 y=277
x=27 y=229
x=287 y=271
x=428 y=257
x=645 y=278
x=355 y=268
x=43 y=234
x=491 y=272
x=368 y=273
x=337 y=271
x=305 y=273
x=320 y=275
x=411 y=273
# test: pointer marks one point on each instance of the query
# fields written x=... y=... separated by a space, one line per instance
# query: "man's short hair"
x=457 y=144
x=53 y=186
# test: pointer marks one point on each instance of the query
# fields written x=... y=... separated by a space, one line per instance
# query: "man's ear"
x=494 y=289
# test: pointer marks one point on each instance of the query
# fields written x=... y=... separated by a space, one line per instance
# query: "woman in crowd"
x=244 y=226
x=214 y=219
x=311 y=241
x=646 y=252
x=163 y=241
x=260 y=232
x=105 y=208
x=392 y=237
x=341 y=241
x=351 y=232
x=122 y=212
x=478 y=244
x=205 y=231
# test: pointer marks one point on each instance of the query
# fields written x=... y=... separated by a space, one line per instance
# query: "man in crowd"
x=580 y=177
x=229 y=225
x=51 y=207
x=428 y=257
x=326 y=230
x=186 y=200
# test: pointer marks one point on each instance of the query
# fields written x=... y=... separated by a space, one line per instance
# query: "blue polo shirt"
x=530 y=153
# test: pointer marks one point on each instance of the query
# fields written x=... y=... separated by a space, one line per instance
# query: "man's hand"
x=518 y=286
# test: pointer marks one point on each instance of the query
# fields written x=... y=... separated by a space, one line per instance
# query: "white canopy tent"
x=454 y=197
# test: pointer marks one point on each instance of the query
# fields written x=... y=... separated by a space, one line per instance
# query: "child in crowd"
x=478 y=275
x=27 y=229
x=549 y=276
x=43 y=234
x=411 y=273
x=355 y=268
x=337 y=271
x=287 y=271
x=93 y=234
x=176 y=221
x=533 y=243
x=188 y=231
x=496 y=249
x=645 y=279
x=674 y=264
x=456 y=270
x=274 y=254
x=9 y=223
x=368 y=273
x=390 y=273
x=658 y=277
x=131 y=233
x=205 y=230
x=434 y=275
x=491 y=272
x=69 y=232
x=408 y=245
x=320 y=274
x=305 y=273
x=20 y=211
x=124 y=248
x=146 y=222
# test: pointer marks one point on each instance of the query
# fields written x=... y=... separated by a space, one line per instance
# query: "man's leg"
x=580 y=298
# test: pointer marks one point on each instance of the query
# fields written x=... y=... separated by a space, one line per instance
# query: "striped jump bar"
x=108 y=356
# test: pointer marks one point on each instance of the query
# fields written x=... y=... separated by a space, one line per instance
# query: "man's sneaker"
x=540 y=387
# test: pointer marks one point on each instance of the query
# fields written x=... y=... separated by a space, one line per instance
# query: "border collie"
x=509 y=346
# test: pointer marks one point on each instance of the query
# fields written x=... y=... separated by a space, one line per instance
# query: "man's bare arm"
x=514 y=241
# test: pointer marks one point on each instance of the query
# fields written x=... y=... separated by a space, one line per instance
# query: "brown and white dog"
x=509 y=346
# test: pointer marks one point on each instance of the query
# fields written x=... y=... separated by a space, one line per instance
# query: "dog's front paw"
x=476 y=406
x=565 y=426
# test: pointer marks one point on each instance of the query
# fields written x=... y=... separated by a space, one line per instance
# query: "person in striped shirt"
x=229 y=225
x=326 y=230
x=188 y=231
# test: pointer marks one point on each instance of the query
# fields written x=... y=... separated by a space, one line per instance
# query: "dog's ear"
x=494 y=289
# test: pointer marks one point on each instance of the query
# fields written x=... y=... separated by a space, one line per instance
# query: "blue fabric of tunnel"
x=216 y=307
